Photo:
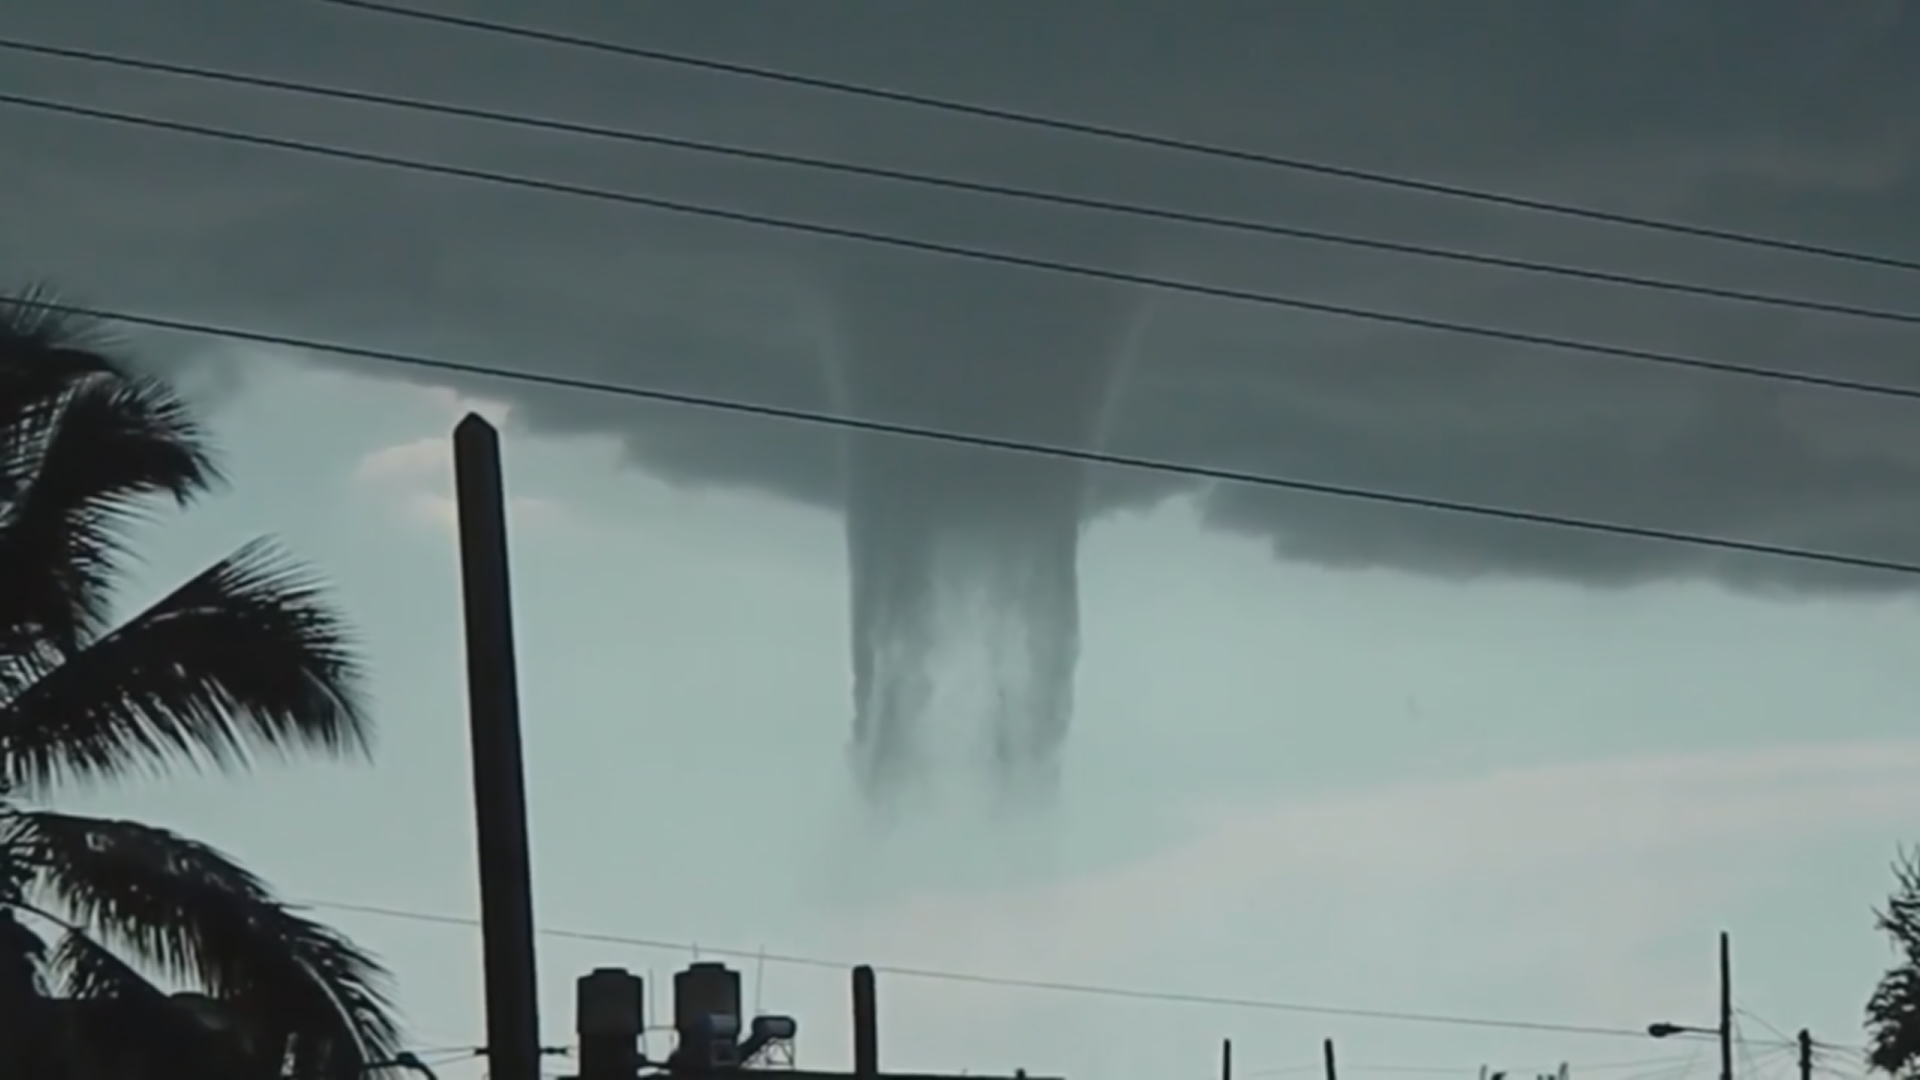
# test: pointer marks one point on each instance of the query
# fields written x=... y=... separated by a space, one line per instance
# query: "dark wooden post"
x=499 y=786
x=866 y=1025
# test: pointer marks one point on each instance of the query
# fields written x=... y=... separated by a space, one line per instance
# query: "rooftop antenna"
x=760 y=981
x=647 y=1012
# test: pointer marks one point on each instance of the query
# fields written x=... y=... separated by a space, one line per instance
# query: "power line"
x=1116 y=134
x=1680 y=1060
x=1683 y=1069
x=1671 y=1072
x=1746 y=1056
x=1010 y=983
x=1677 y=1068
x=457 y=1053
x=1469 y=1070
x=1762 y=1021
x=896 y=241
x=990 y=442
x=1819 y=1045
x=1113 y=206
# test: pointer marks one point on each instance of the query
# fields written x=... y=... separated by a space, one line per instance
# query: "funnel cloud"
x=946 y=542
x=1765 y=116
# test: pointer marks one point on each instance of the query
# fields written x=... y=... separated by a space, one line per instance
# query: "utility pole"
x=1226 y=1059
x=866 y=1025
x=1806 y=1054
x=1726 y=1007
x=1723 y=1031
x=1326 y=1054
x=499 y=783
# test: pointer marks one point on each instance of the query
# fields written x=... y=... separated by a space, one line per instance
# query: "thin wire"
x=1398 y=1069
x=759 y=979
x=1758 y=1019
x=1672 y=1072
x=1138 y=210
x=906 y=243
x=1680 y=1072
x=1681 y=1060
x=1819 y=1045
x=1084 y=989
x=458 y=1053
x=988 y=442
x=1468 y=1070
x=1139 y=138
x=1746 y=1056
x=1640 y=1063
x=451 y=1056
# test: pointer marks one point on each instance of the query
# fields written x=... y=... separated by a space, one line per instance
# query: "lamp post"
x=1667 y=1031
x=1724 y=1031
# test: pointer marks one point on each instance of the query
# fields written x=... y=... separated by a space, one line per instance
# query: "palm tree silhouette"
x=101 y=918
x=1893 y=1012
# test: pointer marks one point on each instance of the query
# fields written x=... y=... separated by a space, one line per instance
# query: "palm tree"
x=1893 y=1012
x=243 y=660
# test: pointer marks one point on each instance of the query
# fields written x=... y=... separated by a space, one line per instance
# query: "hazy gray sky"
x=1321 y=753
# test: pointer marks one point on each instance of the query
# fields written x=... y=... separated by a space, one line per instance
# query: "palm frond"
x=186 y=911
x=23 y=964
x=84 y=443
x=24 y=1042
x=44 y=344
x=1893 y=1012
x=45 y=351
x=142 y=1030
x=246 y=657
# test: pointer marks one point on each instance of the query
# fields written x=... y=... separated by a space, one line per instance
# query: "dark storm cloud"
x=1776 y=116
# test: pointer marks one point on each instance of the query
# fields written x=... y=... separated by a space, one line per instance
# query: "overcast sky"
x=1321 y=754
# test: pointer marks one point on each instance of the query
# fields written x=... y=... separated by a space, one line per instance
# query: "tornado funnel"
x=963 y=560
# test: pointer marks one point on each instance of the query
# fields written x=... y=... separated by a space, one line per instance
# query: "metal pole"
x=499 y=787
x=1806 y=1054
x=1726 y=1007
x=1226 y=1059
x=1326 y=1054
x=866 y=1025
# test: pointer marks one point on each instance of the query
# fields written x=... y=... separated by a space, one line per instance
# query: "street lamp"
x=1663 y=1031
x=1724 y=1030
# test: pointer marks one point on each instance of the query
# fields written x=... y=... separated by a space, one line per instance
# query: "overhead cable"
x=633 y=136
x=1124 y=135
x=930 y=247
x=989 y=442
